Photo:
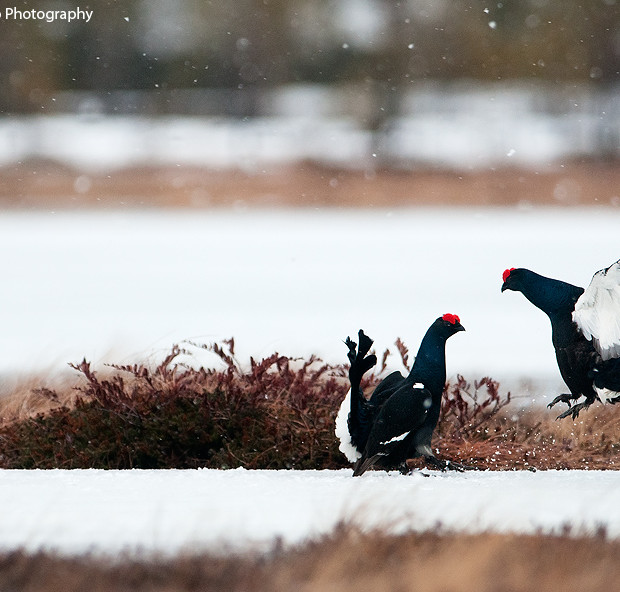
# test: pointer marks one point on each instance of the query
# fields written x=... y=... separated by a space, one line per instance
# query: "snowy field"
x=108 y=512
x=125 y=286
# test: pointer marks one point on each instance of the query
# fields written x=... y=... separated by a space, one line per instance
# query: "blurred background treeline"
x=455 y=83
x=382 y=46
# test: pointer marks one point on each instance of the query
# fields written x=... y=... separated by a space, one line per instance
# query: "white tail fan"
x=597 y=312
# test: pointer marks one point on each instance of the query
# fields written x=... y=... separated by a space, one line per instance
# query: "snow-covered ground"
x=108 y=512
x=125 y=286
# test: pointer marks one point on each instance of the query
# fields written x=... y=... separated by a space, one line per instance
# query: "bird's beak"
x=505 y=287
x=460 y=327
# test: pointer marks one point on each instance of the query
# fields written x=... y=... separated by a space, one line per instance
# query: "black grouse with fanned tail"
x=585 y=332
x=362 y=412
x=357 y=414
x=410 y=407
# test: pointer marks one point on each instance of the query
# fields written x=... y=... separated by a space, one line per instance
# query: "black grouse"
x=403 y=412
x=585 y=331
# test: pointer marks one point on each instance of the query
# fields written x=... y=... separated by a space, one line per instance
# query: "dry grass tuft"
x=25 y=398
x=534 y=439
x=429 y=562
x=346 y=560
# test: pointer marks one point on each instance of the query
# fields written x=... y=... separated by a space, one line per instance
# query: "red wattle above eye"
x=507 y=273
x=451 y=318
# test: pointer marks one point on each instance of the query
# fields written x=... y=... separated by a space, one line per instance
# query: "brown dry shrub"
x=533 y=438
x=278 y=412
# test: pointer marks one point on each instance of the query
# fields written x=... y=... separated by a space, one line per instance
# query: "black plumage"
x=606 y=375
x=407 y=409
x=585 y=332
x=362 y=412
x=357 y=414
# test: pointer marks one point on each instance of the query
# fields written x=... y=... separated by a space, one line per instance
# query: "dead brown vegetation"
x=46 y=184
x=534 y=439
x=346 y=560
x=23 y=397
x=277 y=412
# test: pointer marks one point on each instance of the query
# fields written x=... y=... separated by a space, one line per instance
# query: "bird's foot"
x=452 y=465
x=447 y=465
x=404 y=468
x=574 y=410
x=564 y=398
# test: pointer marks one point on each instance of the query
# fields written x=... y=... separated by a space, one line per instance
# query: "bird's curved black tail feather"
x=360 y=416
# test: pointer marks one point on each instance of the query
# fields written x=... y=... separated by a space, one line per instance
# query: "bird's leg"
x=563 y=398
x=424 y=450
x=404 y=468
x=446 y=465
x=457 y=466
x=575 y=409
